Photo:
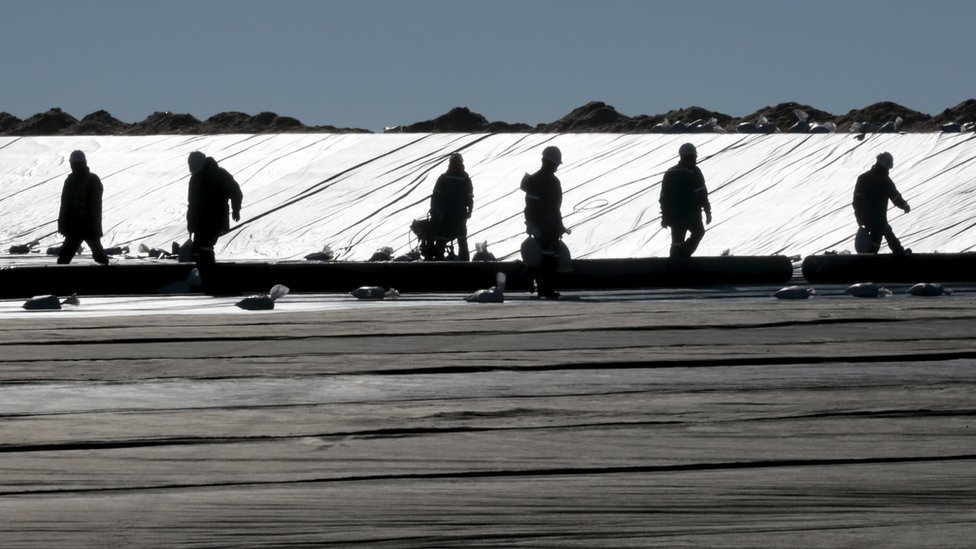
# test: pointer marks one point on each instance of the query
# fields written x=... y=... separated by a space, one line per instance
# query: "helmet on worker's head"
x=456 y=159
x=552 y=154
x=78 y=157
x=687 y=150
x=886 y=161
x=196 y=161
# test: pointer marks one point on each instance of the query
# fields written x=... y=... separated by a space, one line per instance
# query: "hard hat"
x=77 y=157
x=886 y=161
x=552 y=154
x=687 y=150
x=196 y=161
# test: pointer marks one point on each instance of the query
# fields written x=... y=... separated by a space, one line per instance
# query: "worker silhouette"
x=683 y=198
x=210 y=188
x=451 y=205
x=544 y=220
x=80 y=217
x=873 y=190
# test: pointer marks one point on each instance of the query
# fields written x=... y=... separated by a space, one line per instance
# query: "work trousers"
x=444 y=235
x=545 y=274
x=73 y=242
x=686 y=235
x=879 y=230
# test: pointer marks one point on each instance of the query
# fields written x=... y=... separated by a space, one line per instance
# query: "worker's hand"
x=664 y=224
x=236 y=215
x=907 y=208
x=708 y=218
x=567 y=231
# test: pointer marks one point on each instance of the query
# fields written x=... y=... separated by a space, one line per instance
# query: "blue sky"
x=370 y=63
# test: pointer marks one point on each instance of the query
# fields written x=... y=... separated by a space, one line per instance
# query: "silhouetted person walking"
x=543 y=219
x=211 y=187
x=872 y=192
x=683 y=198
x=450 y=208
x=80 y=218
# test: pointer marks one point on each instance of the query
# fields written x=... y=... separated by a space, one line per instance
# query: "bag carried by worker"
x=862 y=240
x=424 y=229
x=532 y=255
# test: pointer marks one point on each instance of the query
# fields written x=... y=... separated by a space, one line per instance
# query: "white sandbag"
x=43 y=302
x=263 y=302
x=369 y=292
x=928 y=289
x=794 y=292
x=495 y=294
x=867 y=289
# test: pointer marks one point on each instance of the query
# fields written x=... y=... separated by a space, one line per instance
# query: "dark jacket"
x=452 y=200
x=683 y=194
x=543 y=199
x=871 y=194
x=81 y=205
x=210 y=189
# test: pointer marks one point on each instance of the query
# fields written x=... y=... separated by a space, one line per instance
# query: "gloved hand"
x=708 y=218
x=236 y=215
x=907 y=208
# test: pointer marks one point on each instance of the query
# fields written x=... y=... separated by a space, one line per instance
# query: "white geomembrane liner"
x=770 y=194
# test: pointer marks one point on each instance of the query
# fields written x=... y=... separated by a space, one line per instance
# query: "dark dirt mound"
x=783 y=115
x=266 y=119
x=691 y=120
x=269 y=122
x=691 y=114
x=881 y=113
x=98 y=123
x=52 y=122
x=263 y=122
x=8 y=122
x=962 y=113
x=641 y=123
x=597 y=116
x=460 y=120
x=166 y=123
x=592 y=117
x=505 y=127
x=326 y=129
x=56 y=122
x=457 y=120
x=226 y=122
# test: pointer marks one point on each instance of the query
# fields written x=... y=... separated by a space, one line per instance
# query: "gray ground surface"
x=698 y=418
